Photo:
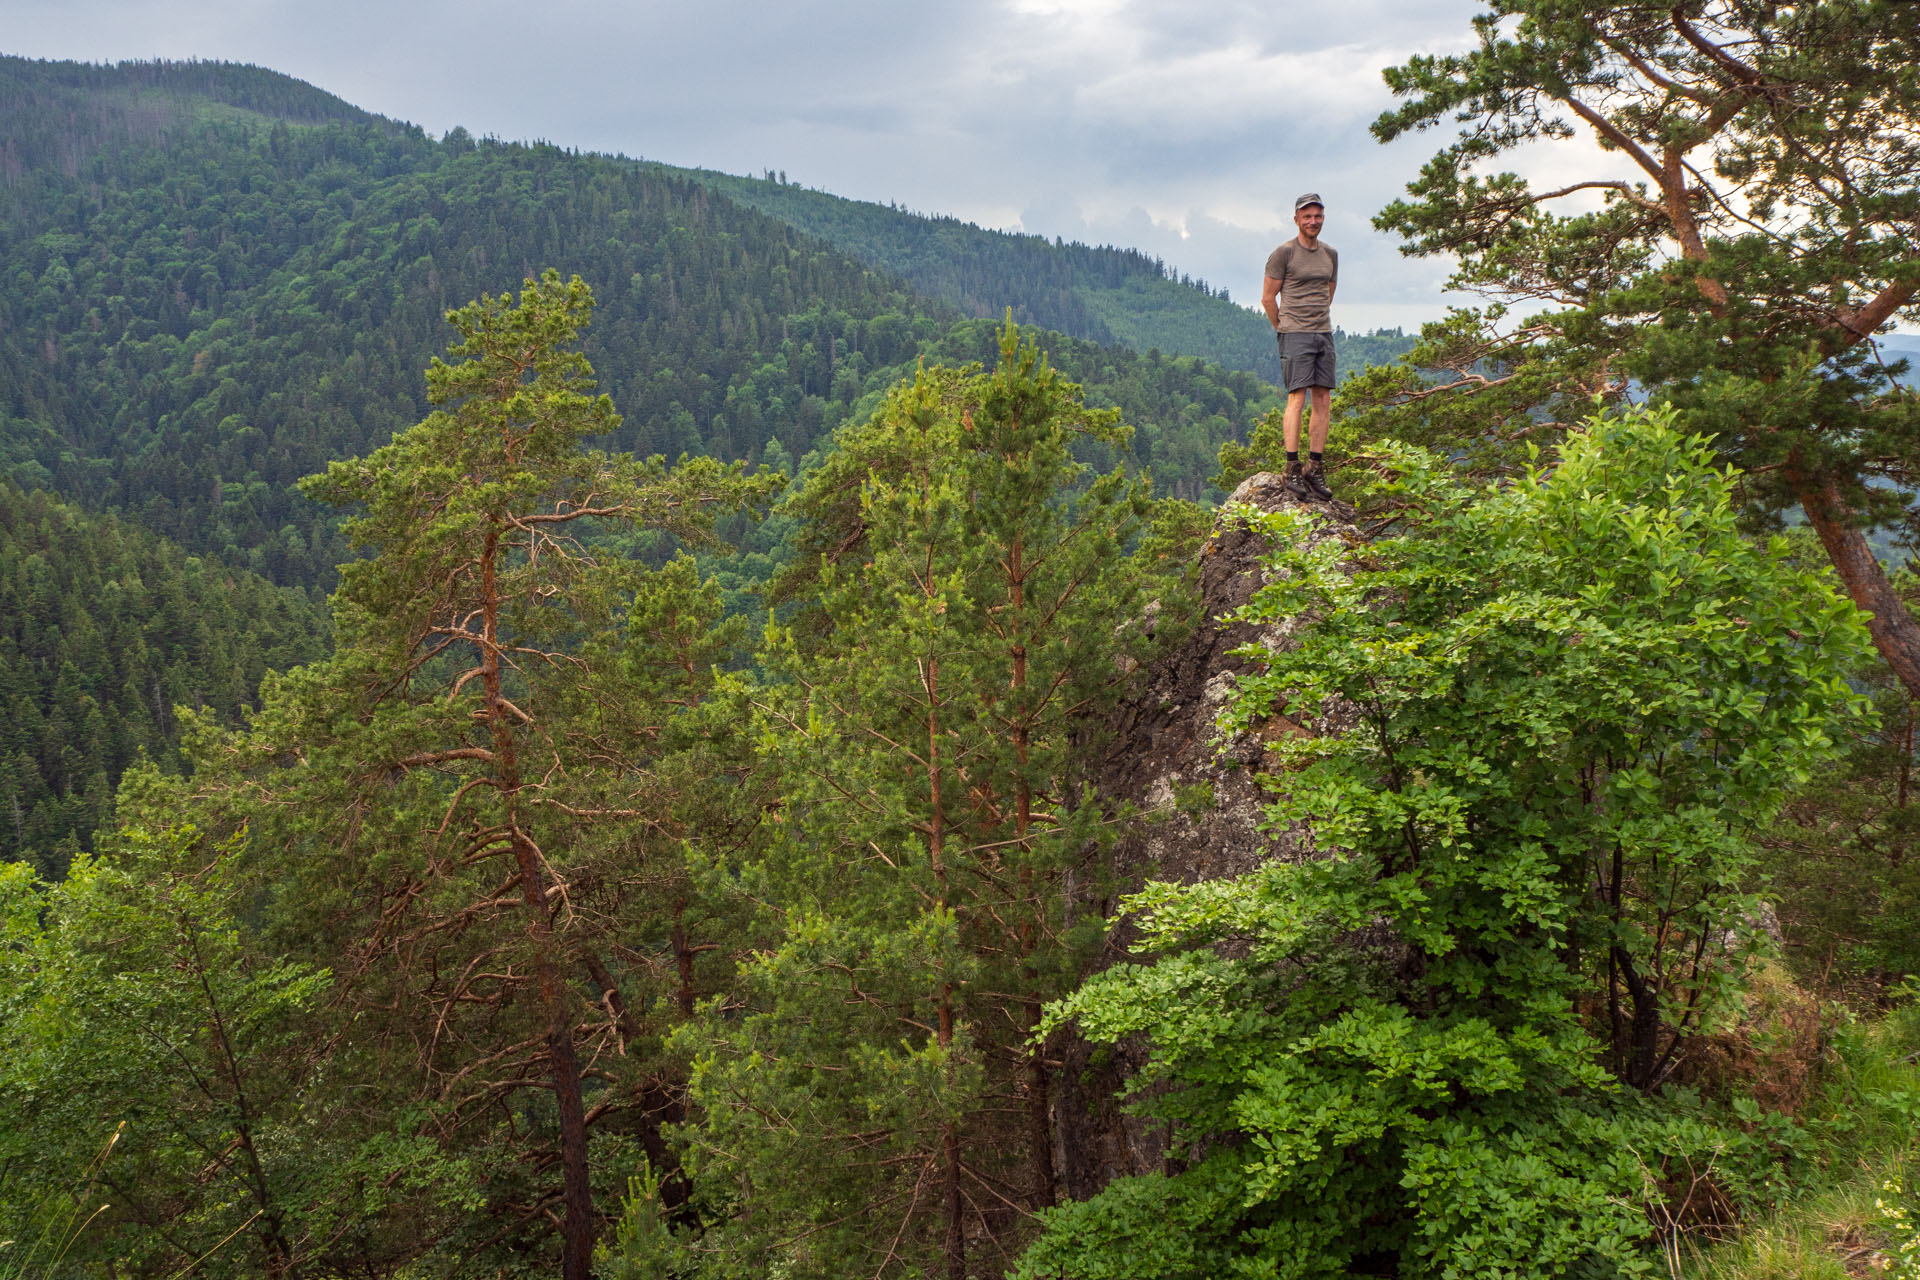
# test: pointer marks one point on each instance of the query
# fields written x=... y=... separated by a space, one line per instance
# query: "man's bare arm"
x=1270 y=300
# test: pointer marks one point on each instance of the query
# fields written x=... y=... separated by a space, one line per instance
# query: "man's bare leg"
x=1290 y=432
x=1322 y=418
x=1314 y=475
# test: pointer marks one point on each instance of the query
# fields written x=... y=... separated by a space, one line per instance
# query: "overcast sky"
x=1181 y=127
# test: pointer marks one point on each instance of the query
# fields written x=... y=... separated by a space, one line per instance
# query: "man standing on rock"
x=1298 y=300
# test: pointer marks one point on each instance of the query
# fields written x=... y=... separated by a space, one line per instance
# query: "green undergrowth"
x=1863 y=1119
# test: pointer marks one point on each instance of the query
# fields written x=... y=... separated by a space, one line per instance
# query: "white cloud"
x=1330 y=92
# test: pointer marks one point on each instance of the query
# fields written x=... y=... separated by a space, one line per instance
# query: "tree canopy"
x=1755 y=225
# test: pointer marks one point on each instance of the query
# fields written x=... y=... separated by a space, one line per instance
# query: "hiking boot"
x=1294 y=481
x=1315 y=478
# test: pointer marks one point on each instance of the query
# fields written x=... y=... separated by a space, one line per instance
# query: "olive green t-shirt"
x=1306 y=277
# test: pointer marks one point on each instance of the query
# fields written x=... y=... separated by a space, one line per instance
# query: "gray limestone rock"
x=1198 y=808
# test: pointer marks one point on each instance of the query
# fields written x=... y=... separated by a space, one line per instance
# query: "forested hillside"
x=1106 y=294
x=822 y=809
x=192 y=326
x=104 y=630
x=202 y=302
x=59 y=114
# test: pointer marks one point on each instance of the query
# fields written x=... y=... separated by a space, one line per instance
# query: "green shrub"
x=1563 y=708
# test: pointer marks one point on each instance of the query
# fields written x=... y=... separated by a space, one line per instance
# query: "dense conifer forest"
x=104 y=630
x=1107 y=294
x=217 y=279
x=560 y=715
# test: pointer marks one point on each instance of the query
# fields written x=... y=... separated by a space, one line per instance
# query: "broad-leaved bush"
x=1530 y=737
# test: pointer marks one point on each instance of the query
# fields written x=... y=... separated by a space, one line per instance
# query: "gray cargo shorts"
x=1306 y=360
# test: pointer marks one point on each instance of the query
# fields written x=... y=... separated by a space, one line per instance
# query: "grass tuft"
x=1864 y=1113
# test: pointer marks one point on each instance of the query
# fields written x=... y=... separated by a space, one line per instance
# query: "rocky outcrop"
x=1199 y=804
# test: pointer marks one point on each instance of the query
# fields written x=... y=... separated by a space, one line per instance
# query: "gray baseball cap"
x=1312 y=197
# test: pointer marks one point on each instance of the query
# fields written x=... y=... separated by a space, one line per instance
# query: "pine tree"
x=1755 y=171
x=881 y=1099
x=474 y=811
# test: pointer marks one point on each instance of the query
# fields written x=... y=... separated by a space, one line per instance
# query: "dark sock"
x=1317 y=457
x=1293 y=455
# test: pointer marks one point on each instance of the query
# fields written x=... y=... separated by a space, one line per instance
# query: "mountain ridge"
x=1107 y=294
x=103 y=105
x=201 y=305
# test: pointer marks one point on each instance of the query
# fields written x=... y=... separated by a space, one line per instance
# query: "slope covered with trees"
x=542 y=923
x=60 y=114
x=191 y=326
x=217 y=279
x=1105 y=294
x=104 y=630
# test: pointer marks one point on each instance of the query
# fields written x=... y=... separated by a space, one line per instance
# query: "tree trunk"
x=1643 y=1048
x=563 y=1063
x=660 y=1103
x=1906 y=767
x=1039 y=1123
x=952 y=1206
x=1894 y=631
x=1039 y=1117
x=577 y=1228
x=277 y=1255
x=1616 y=1025
x=682 y=959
